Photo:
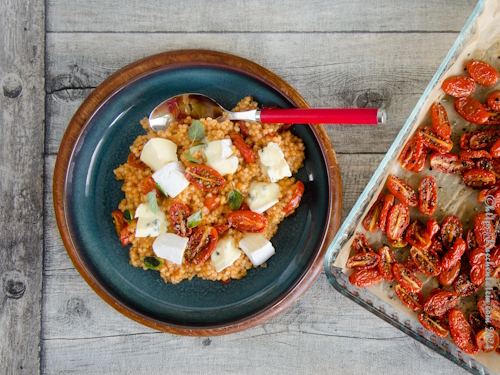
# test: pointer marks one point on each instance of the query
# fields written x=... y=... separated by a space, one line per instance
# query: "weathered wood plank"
x=348 y=70
x=257 y=16
x=21 y=185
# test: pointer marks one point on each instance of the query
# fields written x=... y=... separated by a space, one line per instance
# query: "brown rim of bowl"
x=191 y=58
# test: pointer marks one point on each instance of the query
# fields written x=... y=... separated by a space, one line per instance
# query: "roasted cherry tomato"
x=439 y=303
x=471 y=242
x=492 y=166
x=244 y=207
x=495 y=256
x=204 y=177
x=485 y=192
x=493 y=101
x=147 y=185
x=487 y=340
x=366 y=278
x=179 y=213
x=410 y=264
x=483 y=139
x=449 y=275
x=411 y=153
x=493 y=318
x=479 y=179
x=471 y=110
x=440 y=122
x=121 y=226
x=434 y=141
x=464 y=141
x=411 y=300
x=211 y=203
x=477 y=260
x=201 y=245
x=464 y=286
x=453 y=255
x=372 y=218
x=482 y=73
x=398 y=219
x=221 y=228
x=461 y=332
x=484 y=231
x=417 y=236
x=459 y=86
x=427 y=261
x=296 y=197
x=476 y=321
x=363 y=261
x=427 y=196
x=437 y=246
x=450 y=163
x=387 y=260
x=474 y=154
x=135 y=162
x=244 y=128
x=422 y=160
x=435 y=325
x=247 y=221
x=388 y=203
x=495 y=149
x=361 y=244
x=451 y=229
x=402 y=190
x=400 y=242
x=406 y=278
x=493 y=117
x=432 y=227
x=245 y=150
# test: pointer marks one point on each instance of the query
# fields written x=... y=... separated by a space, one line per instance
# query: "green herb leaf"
x=152 y=262
x=194 y=219
x=196 y=131
x=191 y=159
x=235 y=198
x=152 y=202
x=162 y=191
x=193 y=149
x=128 y=216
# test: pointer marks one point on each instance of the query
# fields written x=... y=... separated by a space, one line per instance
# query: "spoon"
x=200 y=106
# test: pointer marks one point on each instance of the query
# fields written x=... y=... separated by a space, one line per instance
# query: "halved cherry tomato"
x=434 y=141
x=406 y=278
x=388 y=203
x=437 y=246
x=487 y=340
x=485 y=192
x=483 y=139
x=427 y=261
x=451 y=229
x=244 y=129
x=461 y=332
x=422 y=160
x=372 y=218
x=361 y=244
x=493 y=317
x=410 y=264
x=402 y=190
x=464 y=286
x=179 y=213
x=471 y=242
x=471 y=110
x=147 y=185
x=450 y=163
x=411 y=300
x=464 y=141
x=459 y=86
x=400 y=242
x=387 y=259
x=484 y=231
x=440 y=122
x=411 y=153
x=121 y=227
x=476 y=321
x=398 y=219
x=493 y=101
x=204 y=177
x=201 y=245
x=247 y=221
x=449 y=275
x=439 y=303
x=474 y=154
x=211 y=203
x=221 y=228
x=492 y=166
x=296 y=197
x=432 y=227
x=479 y=179
x=417 y=236
x=477 y=260
x=245 y=151
x=453 y=255
x=427 y=196
x=366 y=278
x=363 y=261
x=244 y=207
x=495 y=149
x=482 y=73
x=125 y=236
x=495 y=256
x=435 y=325
x=493 y=117
x=135 y=162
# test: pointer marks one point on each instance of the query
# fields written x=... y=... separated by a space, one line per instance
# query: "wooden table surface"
x=335 y=53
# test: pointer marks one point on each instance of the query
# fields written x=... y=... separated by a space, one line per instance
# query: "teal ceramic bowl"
x=86 y=192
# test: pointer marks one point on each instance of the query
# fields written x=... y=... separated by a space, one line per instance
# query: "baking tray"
x=365 y=297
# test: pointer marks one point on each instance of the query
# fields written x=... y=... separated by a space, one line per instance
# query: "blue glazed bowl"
x=86 y=192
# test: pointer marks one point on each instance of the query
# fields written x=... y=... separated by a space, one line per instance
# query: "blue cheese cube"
x=262 y=196
x=149 y=224
x=273 y=162
x=225 y=254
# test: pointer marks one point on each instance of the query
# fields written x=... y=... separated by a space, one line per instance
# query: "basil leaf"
x=196 y=131
x=161 y=190
x=152 y=262
x=152 y=202
x=196 y=147
x=194 y=219
x=235 y=198
x=191 y=159
x=128 y=216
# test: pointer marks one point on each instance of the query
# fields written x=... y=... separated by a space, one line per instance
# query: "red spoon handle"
x=366 y=116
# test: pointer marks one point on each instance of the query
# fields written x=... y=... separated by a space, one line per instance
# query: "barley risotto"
x=203 y=198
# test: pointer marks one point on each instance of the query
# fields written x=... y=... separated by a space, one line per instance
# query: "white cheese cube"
x=149 y=223
x=262 y=196
x=273 y=162
x=257 y=248
x=171 y=178
x=226 y=166
x=144 y=211
x=171 y=247
x=218 y=154
x=225 y=254
x=158 y=152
